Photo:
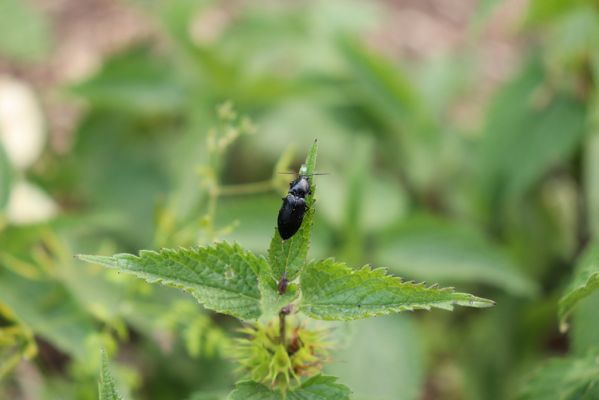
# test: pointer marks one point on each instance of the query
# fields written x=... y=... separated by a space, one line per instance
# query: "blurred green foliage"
x=504 y=209
x=25 y=32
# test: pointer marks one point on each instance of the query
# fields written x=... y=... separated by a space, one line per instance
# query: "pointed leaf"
x=289 y=256
x=565 y=379
x=584 y=282
x=106 y=385
x=517 y=121
x=333 y=291
x=383 y=84
x=317 y=388
x=223 y=277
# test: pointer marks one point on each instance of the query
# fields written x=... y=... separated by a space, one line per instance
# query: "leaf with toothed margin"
x=567 y=378
x=223 y=277
x=106 y=386
x=289 y=256
x=333 y=291
x=583 y=284
x=319 y=387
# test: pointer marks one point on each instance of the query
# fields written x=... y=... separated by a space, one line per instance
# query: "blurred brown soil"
x=87 y=31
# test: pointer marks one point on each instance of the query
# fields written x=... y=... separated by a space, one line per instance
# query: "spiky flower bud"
x=263 y=357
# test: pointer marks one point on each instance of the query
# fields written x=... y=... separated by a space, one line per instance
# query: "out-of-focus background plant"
x=462 y=143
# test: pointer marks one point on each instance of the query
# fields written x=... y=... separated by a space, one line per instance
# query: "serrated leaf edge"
x=460 y=299
x=118 y=262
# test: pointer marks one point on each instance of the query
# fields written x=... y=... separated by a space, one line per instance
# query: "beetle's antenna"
x=295 y=173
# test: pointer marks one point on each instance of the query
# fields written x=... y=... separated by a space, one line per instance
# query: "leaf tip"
x=469 y=300
x=480 y=302
x=81 y=257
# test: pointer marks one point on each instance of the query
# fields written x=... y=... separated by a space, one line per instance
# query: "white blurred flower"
x=28 y=204
x=21 y=123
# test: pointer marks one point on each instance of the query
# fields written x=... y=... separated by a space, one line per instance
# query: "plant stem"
x=282 y=327
x=283 y=282
x=285 y=311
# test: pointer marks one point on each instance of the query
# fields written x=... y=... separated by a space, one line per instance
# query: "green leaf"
x=584 y=335
x=390 y=102
x=106 y=385
x=253 y=391
x=6 y=178
x=223 y=277
x=565 y=379
x=320 y=387
x=47 y=309
x=461 y=254
x=289 y=256
x=384 y=84
x=208 y=396
x=544 y=11
x=333 y=291
x=272 y=301
x=317 y=388
x=524 y=117
x=584 y=282
x=133 y=176
x=137 y=81
x=591 y=174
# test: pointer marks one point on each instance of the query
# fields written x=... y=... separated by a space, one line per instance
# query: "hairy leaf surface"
x=223 y=277
x=106 y=385
x=317 y=388
x=333 y=291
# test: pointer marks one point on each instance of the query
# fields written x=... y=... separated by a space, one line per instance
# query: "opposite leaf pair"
x=231 y=280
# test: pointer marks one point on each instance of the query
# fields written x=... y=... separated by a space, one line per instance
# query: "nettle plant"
x=275 y=297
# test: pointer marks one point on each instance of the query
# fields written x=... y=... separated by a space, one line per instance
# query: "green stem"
x=285 y=311
x=282 y=327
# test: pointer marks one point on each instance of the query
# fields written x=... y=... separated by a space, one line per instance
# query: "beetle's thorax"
x=300 y=187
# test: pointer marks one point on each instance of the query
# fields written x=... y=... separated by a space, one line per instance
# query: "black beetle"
x=294 y=207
